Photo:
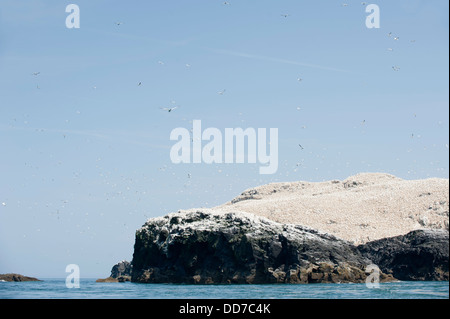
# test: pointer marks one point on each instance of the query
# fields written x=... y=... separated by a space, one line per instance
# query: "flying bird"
x=35 y=73
x=169 y=109
x=221 y=92
x=396 y=68
x=285 y=15
x=140 y=83
x=118 y=23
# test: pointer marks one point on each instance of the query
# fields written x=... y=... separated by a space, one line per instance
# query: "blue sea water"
x=89 y=289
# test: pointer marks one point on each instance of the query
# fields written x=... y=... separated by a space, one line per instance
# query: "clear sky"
x=84 y=157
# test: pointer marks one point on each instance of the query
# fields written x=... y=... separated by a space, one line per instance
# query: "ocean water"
x=89 y=289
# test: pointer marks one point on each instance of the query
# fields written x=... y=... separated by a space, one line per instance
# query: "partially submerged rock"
x=16 y=278
x=216 y=247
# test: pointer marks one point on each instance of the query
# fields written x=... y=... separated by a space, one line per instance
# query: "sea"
x=55 y=288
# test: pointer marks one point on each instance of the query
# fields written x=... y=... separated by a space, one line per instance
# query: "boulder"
x=217 y=247
x=121 y=269
x=120 y=272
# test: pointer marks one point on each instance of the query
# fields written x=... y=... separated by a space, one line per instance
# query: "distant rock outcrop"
x=16 y=278
x=214 y=247
x=120 y=272
x=418 y=255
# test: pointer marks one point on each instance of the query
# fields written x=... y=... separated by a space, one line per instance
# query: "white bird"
x=389 y=34
x=161 y=63
x=3 y=204
x=390 y=49
x=221 y=92
x=36 y=73
x=396 y=38
x=396 y=68
x=226 y=3
x=188 y=65
x=345 y=4
x=299 y=79
x=169 y=109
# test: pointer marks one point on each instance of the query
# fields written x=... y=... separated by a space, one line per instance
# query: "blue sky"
x=85 y=149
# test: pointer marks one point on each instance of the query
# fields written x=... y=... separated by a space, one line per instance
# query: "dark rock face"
x=121 y=269
x=418 y=255
x=202 y=247
x=17 y=278
x=120 y=272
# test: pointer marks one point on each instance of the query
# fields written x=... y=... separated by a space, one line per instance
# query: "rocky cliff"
x=418 y=255
x=210 y=246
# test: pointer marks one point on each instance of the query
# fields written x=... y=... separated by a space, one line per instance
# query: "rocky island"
x=281 y=233
x=16 y=278
x=218 y=247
